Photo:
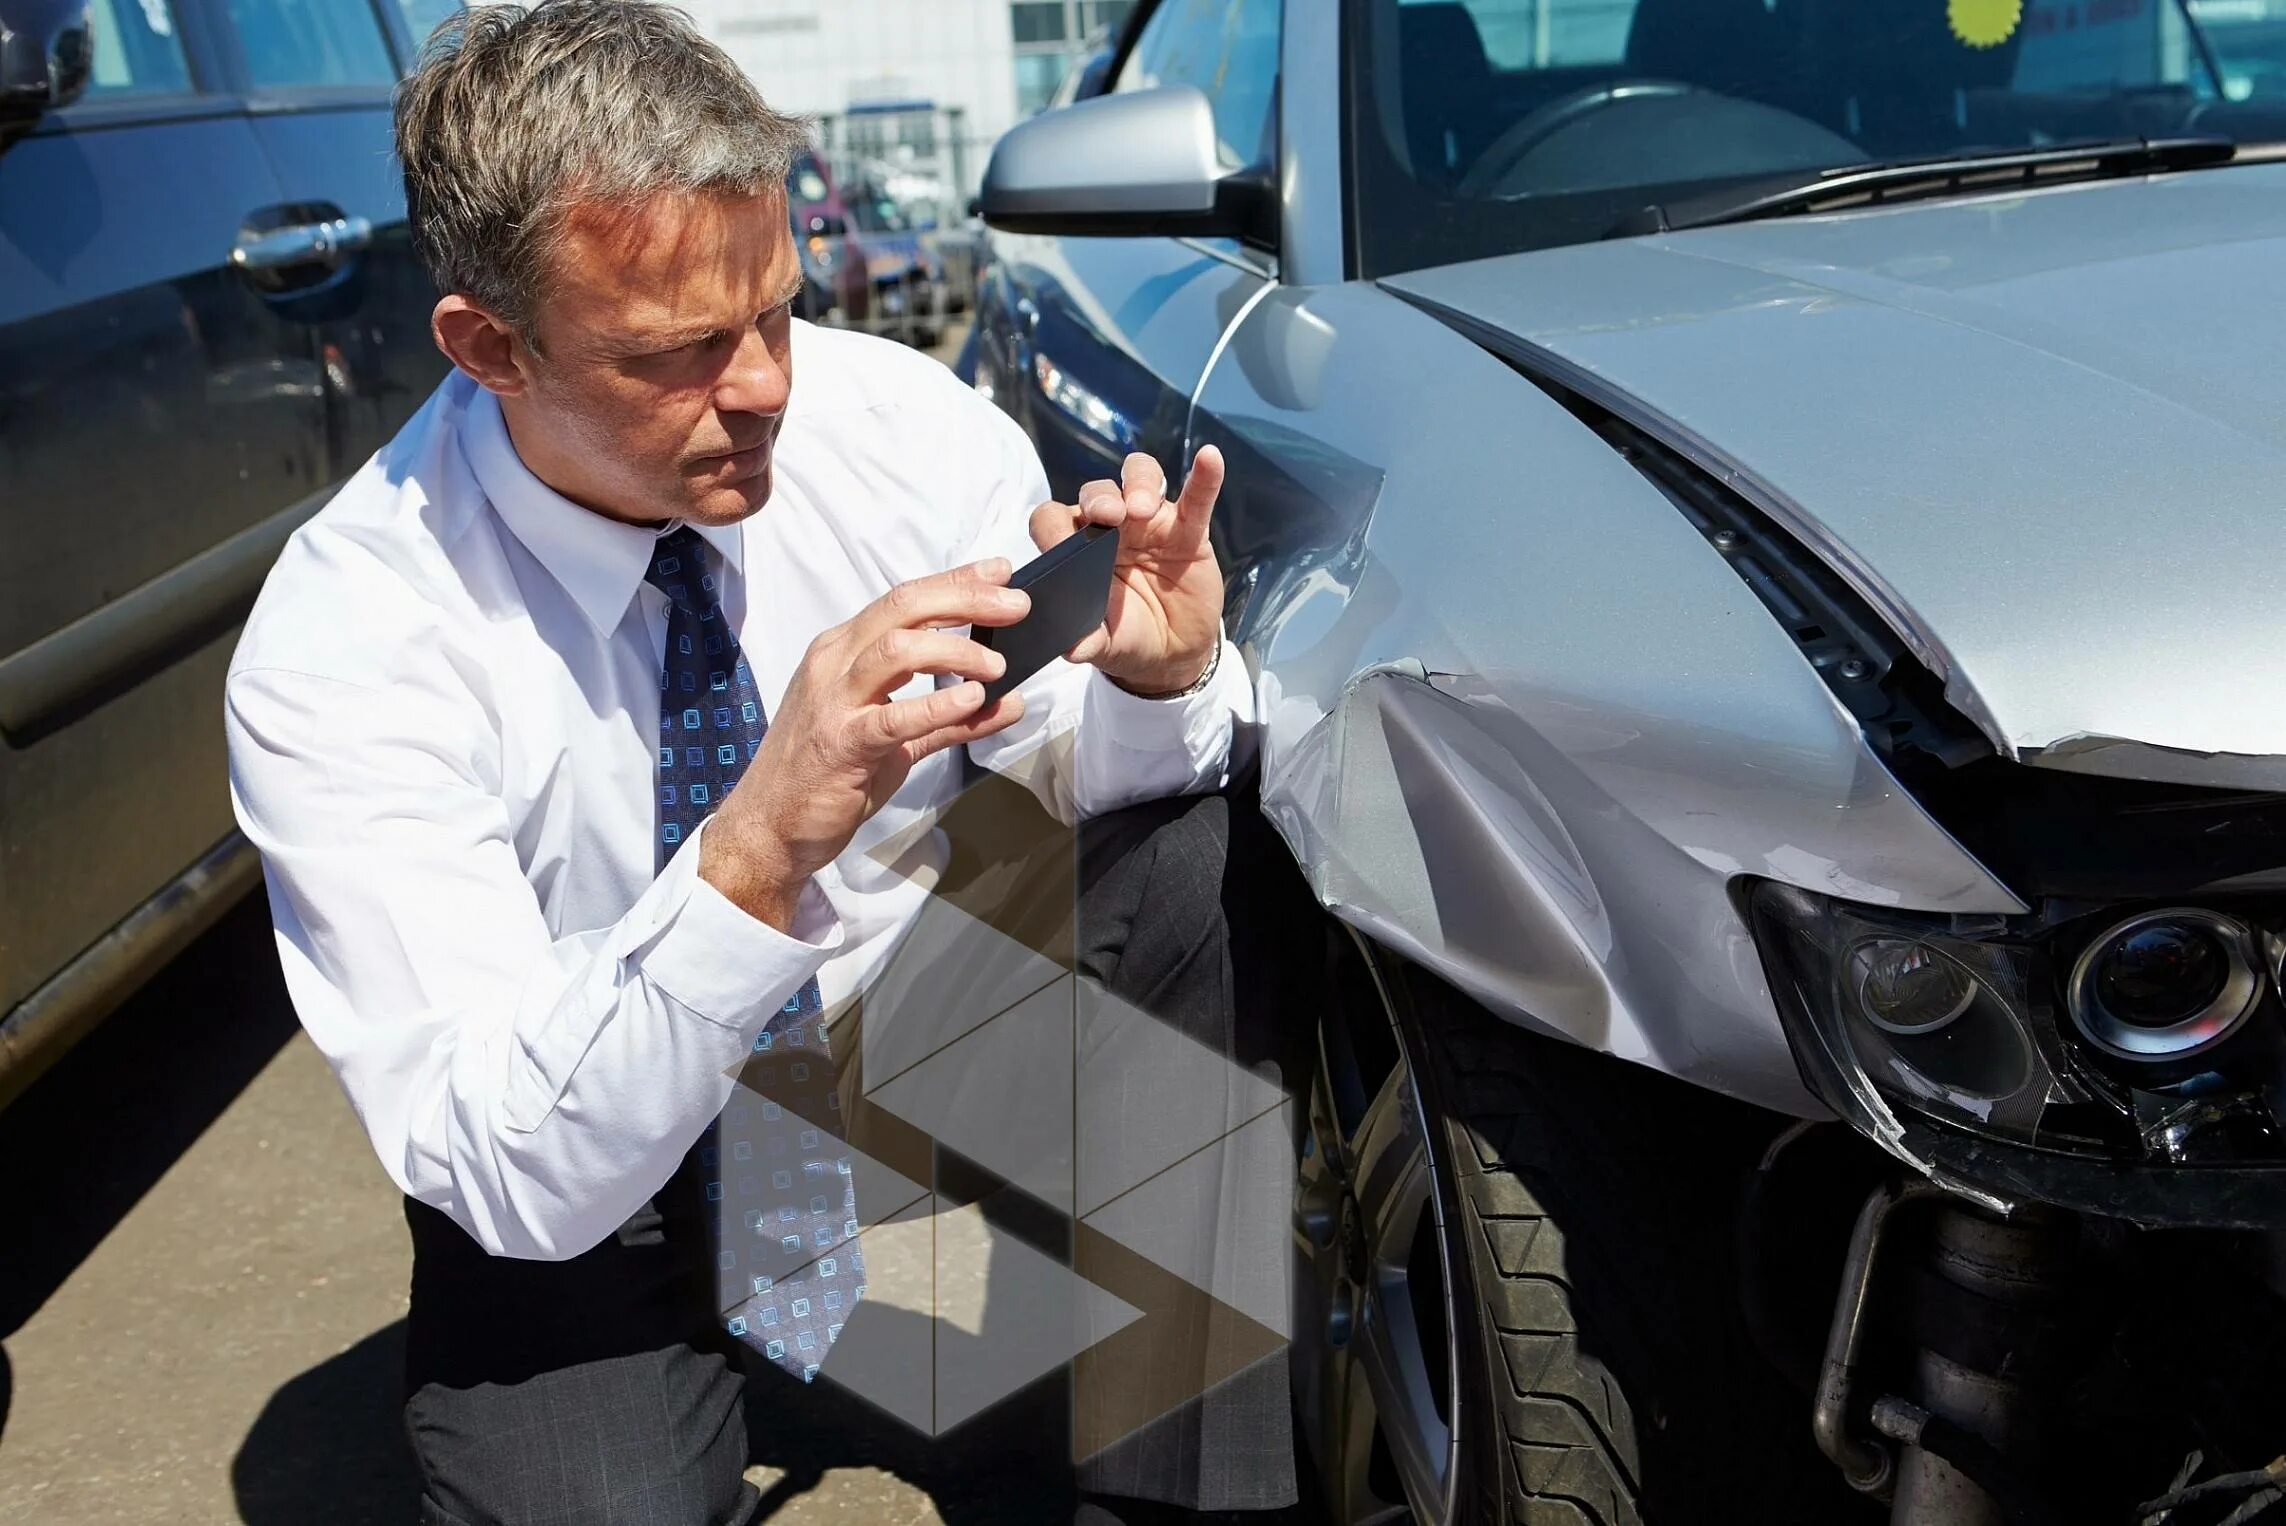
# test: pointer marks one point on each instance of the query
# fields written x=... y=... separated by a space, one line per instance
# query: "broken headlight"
x=2133 y=1037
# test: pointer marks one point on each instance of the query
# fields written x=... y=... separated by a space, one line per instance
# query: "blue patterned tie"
x=777 y=1179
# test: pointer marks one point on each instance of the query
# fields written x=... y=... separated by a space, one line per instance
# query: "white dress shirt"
x=443 y=716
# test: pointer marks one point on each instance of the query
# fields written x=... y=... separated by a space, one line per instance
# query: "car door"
x=318 y=76
x=157 y=420
x=1098 y=344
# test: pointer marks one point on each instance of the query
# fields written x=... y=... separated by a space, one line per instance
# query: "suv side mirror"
x=1146 y=162
x=45 y=55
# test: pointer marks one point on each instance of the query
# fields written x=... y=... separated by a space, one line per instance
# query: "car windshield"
x=875 y=212
x=1478 y=127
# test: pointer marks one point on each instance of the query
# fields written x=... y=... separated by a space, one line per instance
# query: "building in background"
x=909 y=97
x=1053 y=36
x=913 y=90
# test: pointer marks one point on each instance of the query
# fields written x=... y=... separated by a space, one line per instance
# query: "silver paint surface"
x=1523 y=725
x=1311 y=244
x=1520 y=722
x=1149 y=151
x=2045 y=431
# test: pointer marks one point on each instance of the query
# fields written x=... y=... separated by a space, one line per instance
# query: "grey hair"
x=513 y=116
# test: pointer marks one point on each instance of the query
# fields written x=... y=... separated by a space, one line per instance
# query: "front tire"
x=1583 y=1220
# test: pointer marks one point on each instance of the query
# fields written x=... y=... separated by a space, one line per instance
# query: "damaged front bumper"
x=1955 y=1044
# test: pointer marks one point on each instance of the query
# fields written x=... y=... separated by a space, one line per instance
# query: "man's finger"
x=1054 y=523
x=892 y=659
x=1143 y=484
x=976 y=594
x=976 y=728
x=1200 y=490
x=958 y=710
x=895 y=725
x=1102 y=503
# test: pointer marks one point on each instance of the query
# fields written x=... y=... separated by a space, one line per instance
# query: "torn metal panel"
x=1434 y=818
x=2122 y=758
x=1517 y=722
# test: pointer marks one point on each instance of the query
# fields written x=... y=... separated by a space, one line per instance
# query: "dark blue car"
x=210 y=313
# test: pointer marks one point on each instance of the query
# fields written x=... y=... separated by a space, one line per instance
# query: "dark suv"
x=210 y=314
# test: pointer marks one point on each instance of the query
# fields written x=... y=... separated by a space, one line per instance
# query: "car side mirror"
x=45 y=55
x=1145 y=162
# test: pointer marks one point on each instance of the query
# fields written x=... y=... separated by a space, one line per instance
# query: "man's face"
x=664 y=363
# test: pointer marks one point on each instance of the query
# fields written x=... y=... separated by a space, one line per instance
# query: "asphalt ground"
x=202 y=1297
x=202 y=1292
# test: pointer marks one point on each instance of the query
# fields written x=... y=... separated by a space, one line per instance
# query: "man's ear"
x=480 y=344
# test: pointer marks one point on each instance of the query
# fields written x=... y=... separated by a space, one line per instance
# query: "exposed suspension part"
x=1954 y=1434
x=1987 y=1320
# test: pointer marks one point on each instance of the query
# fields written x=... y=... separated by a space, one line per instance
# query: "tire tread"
x=1567 y=1427
x=1596 y=1205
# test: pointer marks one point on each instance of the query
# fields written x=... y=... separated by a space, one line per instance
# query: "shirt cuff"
x=1196 y=724
x=696 y=944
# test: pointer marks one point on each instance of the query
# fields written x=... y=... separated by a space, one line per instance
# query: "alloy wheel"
x=1372 y=1236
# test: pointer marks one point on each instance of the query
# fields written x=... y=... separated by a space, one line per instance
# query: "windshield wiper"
x=1867 y=185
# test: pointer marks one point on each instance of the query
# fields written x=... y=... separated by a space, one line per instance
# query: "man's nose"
x=753 y=382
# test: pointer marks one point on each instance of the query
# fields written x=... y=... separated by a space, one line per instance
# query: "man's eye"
x=695 y=346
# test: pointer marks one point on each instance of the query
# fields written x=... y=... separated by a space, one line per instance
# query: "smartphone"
x=1070 y=585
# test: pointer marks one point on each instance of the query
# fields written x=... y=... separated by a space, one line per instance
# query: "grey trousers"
x=603 y=1390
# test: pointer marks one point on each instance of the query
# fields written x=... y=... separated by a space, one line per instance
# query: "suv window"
x=137 y=50
x=297 y=42
x=1229 y=49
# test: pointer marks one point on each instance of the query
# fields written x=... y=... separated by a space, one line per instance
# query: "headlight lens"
x=2166 y=984
x=2155 y=1037
x=1086 y=408
x=1908 y=988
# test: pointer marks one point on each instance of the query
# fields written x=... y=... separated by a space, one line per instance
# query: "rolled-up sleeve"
x=1085 y=745
x=536 y=1088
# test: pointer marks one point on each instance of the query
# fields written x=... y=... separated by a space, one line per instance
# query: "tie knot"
x=684 y=568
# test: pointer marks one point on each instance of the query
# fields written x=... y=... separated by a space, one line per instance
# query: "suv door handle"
x=318 y=243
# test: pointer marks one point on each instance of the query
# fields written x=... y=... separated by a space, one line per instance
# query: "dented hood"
x=2044 y=433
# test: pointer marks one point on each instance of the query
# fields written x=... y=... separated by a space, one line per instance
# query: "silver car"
x=1750 y=521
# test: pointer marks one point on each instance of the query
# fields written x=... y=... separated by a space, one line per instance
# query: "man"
x=563 y=728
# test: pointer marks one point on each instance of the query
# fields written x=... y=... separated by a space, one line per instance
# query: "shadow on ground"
x=329 y=1446
x=118 y=1112
x=125 y=1104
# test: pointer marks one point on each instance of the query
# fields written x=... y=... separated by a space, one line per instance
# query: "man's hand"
x=837 y=748
x=1165 y=617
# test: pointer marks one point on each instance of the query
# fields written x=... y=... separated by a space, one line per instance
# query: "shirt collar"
x=599 y=561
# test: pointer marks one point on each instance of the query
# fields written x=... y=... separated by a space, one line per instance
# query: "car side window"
x=1229 y=49
x=296 y=42
x=137 y=50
